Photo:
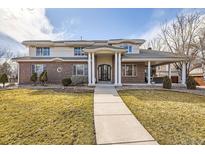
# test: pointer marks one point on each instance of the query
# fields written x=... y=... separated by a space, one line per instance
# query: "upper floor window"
x=128 y=48
x=79 y=51
x=42 y=51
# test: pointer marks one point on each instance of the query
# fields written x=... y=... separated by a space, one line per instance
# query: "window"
x=38 y=68
x=128 y=48
x=129 y=70
x=79 y=51
x=80 y=69
x=42 y=51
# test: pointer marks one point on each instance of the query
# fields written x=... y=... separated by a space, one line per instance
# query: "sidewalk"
x=114 y=123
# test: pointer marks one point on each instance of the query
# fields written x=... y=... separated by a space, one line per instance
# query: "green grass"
x=46 y=117
x=170 y=117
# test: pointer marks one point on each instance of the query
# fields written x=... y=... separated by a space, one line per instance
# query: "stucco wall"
x=104 y=59
x=55 y=51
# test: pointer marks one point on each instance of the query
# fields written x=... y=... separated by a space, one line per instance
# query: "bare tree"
x=5 y=53
x=181 y=37
x=155 y=44
x=202 y=49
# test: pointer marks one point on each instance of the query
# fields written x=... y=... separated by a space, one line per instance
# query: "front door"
x=104 y=72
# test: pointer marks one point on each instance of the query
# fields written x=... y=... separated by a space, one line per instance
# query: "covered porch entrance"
x=104 y=65
x=104 y=72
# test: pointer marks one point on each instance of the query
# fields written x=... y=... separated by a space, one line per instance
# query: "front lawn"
x=170 y=117
x=46 y=117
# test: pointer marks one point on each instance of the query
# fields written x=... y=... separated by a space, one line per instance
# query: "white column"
x=119 y=69
x=183 y=73
x=89 y=69
x=116 y=75
x=149 y=73
x=169 y=71
x=93 y=68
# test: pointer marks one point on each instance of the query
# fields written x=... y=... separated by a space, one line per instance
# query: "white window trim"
x=128 y=45
x=42 y=52
x=35 y=68
x=81 y=51
x=132 y=70
x=77 y=70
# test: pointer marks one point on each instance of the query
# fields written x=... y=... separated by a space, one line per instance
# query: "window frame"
x=43 y=68
x=42 y=51
x=129 y=48
x=78 y=51
x=77 y=66
x=134 y=70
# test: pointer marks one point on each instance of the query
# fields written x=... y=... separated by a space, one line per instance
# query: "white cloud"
x=151 y=33
x=155 y=28
x=17 y=25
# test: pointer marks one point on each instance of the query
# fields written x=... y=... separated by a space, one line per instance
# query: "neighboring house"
x=197 y=73
x=116 y=61
x=163 y=70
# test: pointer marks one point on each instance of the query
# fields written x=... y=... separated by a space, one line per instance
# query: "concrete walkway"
x=114 y=123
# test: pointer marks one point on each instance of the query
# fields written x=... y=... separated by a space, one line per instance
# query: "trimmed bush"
x=79 y=80
x=34 y=78
x=190 y=83
x=3 y=79
x=66 y=81
x=43 y=78
x=167 y=82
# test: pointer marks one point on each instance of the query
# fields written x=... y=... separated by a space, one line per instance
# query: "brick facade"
x=140 y=78
x=25 y=71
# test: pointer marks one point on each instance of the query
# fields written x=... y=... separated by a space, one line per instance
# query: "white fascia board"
x=154 y=59
x=53 y=60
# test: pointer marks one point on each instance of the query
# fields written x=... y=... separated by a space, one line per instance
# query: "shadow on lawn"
x=164 y=95
x=57 y=92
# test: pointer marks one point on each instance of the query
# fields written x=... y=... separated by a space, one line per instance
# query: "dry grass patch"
x=170 y=117
x=46 y=117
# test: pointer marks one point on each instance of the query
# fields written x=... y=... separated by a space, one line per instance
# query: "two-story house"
x=114 y=61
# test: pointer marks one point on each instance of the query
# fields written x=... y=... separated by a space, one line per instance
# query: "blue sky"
x=17 y=25
x=109 y=23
